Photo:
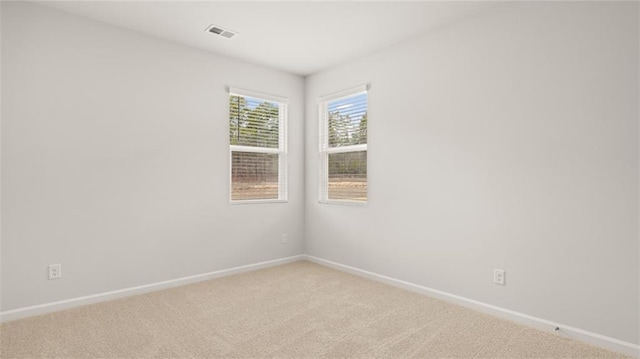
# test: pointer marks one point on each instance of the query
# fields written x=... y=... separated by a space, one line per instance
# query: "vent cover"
x=218 y=30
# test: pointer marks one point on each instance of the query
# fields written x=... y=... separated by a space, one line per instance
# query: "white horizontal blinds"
x=347 y=121
x=254 y=176
x=343 y=147
x=347 y=176
x=257 y=137
x=254 y=122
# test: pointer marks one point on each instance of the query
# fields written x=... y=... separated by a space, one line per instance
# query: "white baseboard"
x=101 y=297
x=531 y=321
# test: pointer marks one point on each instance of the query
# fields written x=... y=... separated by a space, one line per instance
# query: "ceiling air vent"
x=215 y=29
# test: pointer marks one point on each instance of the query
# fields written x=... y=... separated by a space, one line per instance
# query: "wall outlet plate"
x=284 y=239
x=498 y=276
x=55 y=271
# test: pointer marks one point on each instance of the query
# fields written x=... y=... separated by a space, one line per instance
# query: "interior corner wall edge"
x=0 y=158
x=508 y=140
x=115 y=160
x=638 y=129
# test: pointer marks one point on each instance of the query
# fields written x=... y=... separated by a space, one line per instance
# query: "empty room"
x=319 y=179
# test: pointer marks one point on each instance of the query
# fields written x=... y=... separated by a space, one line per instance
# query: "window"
x=257 y=147
x=343 y=147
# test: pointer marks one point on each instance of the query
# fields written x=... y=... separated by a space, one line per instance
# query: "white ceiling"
x=297 y=37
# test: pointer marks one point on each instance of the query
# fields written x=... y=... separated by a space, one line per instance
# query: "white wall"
x=115 y=160
x=506 y=140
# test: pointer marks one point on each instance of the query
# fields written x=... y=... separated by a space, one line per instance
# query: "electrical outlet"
x=498 y=276
x=55 y=271
x=284 y=239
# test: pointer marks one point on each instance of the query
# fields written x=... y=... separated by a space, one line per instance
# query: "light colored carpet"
x=295 y=310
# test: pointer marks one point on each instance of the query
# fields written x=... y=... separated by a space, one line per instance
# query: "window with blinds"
x=343 y=147
x=257 y=147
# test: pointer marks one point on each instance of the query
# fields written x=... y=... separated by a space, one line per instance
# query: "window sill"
x=258 y=201
x=344 y=202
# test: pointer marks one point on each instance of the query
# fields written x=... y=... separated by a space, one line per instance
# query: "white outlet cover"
x=55 y=271
x=498 y=276
x=284 y=239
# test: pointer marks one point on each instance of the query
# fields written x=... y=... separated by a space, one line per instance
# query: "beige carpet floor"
x=297 y=310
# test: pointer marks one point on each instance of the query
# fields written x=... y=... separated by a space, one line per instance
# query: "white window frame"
x=281 y=151
x=325 y=150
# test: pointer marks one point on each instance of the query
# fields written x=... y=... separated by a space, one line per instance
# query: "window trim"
x=343 y=94
x=234 y=91
x=281 y=151
x=324 y=150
